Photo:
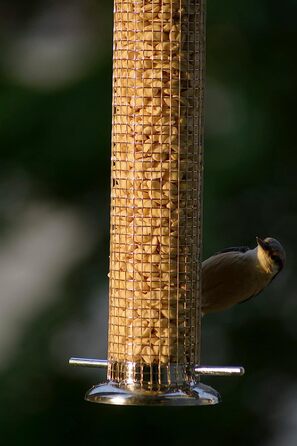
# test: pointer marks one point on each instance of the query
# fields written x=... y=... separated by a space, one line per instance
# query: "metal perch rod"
x=199 y=370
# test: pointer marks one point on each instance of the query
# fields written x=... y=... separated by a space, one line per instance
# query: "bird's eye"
x=274 y=257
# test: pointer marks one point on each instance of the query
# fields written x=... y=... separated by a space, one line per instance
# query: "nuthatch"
x=235 y=275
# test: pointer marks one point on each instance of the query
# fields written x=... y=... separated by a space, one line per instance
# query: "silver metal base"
x=194 y=394
x=152 y=385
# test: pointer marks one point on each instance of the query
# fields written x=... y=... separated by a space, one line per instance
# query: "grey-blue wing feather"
x=254 y=295
x=234 y=249
x=249 y=298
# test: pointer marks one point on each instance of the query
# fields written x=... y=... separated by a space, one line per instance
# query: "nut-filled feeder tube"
x=156 y=204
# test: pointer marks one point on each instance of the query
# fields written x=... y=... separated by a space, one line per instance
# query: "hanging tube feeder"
x=156 y=208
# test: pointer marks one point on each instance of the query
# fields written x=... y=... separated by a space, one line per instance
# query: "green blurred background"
x=55 y=115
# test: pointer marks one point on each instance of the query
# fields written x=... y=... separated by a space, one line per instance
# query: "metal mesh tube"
x=157 y=137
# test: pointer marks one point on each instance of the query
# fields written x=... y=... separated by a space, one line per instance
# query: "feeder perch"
x=156 y=208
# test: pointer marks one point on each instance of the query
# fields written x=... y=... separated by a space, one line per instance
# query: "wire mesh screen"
x=157 y=137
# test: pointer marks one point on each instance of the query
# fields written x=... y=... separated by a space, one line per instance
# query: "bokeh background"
x=55 y=115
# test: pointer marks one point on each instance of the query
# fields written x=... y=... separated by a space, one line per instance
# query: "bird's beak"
x=261 y=243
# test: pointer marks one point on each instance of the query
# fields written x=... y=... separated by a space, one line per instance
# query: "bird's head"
x=271 y=254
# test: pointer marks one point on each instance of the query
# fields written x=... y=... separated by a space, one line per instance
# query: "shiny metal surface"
x=219 y=371
x=192 y=394
x=88 y=362
x=199 y=370
x=150 y=377
x=154 y=385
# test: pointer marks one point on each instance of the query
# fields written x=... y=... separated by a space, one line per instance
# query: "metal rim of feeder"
x=156 y=208
x=111 y=393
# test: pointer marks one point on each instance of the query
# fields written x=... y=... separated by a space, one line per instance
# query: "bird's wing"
x=234 y=249
x=249 y=298
x=256 y=294
x=223 y=281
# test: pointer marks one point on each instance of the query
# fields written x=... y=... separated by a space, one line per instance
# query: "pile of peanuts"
x=155 y=183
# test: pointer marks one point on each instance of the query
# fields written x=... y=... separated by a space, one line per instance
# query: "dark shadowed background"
x=55 y=119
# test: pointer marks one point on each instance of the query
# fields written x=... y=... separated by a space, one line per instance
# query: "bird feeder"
x=156 y=208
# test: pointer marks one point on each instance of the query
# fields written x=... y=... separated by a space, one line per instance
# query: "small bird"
x=235 y=275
